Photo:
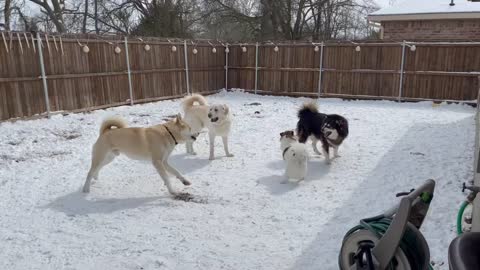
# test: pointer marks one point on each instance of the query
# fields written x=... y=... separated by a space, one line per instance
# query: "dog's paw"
x=186 y=182
x=187 y=197
x=230 y=155
x=211 y=158
x=328 y=161
x=86 y=189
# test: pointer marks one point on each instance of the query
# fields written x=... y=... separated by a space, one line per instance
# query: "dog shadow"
x=277 y=184
x=187 y=163
x=77 y=203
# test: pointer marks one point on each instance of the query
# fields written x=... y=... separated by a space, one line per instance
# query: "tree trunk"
x=297 y=31
x=85 y=15
x=6 y=14
x=97 y=31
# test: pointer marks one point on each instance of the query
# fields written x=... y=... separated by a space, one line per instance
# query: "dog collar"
x=173 y=137
x=284 y=151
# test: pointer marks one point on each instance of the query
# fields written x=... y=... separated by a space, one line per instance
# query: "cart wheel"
x=351 y=246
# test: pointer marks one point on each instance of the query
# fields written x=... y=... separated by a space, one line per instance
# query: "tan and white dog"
x=154 y=144
x=216 y=118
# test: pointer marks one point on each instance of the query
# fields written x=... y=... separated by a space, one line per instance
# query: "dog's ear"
x=282 y=133
x=290 y=133
x=177 y=119
x=225 y=108
x=341 y=122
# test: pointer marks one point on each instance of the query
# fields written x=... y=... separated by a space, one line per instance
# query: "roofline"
x=424 y=16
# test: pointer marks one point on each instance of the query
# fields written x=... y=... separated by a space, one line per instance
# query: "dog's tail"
x=189 y=101
x=308 y=109
x=110 y=122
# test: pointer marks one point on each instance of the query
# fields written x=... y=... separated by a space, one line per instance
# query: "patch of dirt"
x=14 y=142
x=187 y=197
x=140 y=114
x=32 y=155
x=67 y=135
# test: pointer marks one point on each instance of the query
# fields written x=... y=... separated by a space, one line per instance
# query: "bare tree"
x=293 y=19
x=222 y=19
x=165 y=18
x=115 y=17
x=54 y=12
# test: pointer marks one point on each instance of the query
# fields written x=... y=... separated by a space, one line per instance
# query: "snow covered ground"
x=248 y=219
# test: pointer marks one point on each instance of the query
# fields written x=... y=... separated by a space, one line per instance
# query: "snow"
x=247 y=220
x=429 y=6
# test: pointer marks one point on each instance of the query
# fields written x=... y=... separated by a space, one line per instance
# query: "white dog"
x=216 y=118
x=295 y=155
x=154 y=143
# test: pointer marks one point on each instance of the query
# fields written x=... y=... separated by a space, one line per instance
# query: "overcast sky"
x=384 y=3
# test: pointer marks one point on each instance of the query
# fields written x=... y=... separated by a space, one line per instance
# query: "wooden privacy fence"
x=386 y=70
x=40 y=73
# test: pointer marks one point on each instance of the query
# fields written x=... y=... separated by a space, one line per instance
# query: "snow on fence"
x=85 y=72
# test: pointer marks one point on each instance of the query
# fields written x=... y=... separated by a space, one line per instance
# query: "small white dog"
x=216 y=118
x=295 y=155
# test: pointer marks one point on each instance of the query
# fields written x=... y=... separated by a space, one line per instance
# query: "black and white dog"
x=330 y=129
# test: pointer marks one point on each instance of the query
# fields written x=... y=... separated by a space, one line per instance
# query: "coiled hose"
x=463 y=206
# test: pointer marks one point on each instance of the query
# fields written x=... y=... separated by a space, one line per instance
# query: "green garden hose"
x=460 y=216
x=378 y=225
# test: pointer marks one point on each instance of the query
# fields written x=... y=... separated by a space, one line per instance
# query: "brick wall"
x=432 y=29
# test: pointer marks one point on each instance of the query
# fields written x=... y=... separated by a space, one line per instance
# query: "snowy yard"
x=249 y=220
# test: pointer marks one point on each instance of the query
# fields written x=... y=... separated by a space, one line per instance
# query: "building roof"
x=428 y=10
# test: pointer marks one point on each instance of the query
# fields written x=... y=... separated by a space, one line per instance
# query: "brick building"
x=430 y=20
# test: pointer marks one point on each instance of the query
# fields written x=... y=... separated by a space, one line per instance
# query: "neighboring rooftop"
x=428 y=10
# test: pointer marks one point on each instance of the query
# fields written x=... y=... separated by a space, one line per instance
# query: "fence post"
x=130 y=89
x=186 y=66
x=476 y=167
x=478 y=96
x=226 y=67
x=256 y=67
x=44 y=77
x=320 y=70
x=400 y=85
